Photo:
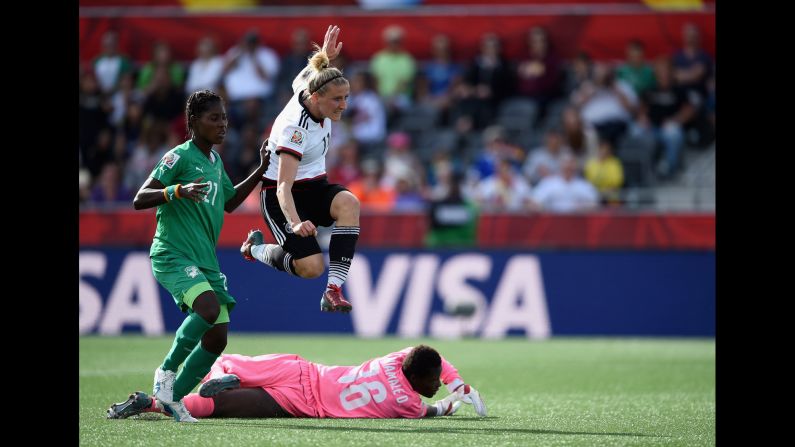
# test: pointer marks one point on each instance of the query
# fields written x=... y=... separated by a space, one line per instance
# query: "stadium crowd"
x=537 y=134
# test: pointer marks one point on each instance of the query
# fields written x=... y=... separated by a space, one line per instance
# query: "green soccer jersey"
x=186 y=228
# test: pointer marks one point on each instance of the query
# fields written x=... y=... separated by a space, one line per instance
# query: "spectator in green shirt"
x=635 y=71
x=394 y=69
x=161 y=57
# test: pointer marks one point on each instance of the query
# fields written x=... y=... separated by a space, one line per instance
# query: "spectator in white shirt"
x=606 y=104
x=506 y=190
x=205 y=71
x=250 y=74
x=545 y=160
x=567 y=192
x=367 y=112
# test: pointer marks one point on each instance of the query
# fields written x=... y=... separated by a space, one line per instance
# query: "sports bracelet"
x=176 y=190
x=169 y=191
x=165 y=194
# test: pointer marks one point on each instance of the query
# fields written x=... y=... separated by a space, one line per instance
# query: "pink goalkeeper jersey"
x=375 y=389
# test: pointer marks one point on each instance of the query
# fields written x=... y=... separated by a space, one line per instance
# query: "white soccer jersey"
x=297 y=133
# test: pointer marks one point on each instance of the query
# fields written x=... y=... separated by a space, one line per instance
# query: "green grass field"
x=564 y=391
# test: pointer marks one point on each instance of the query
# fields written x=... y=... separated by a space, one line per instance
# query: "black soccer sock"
x=275 y=256
x=340 y=251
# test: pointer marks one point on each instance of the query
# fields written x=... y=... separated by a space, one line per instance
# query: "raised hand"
x=330 y=45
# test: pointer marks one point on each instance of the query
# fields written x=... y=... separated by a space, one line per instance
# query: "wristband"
x=169 y=192
x=176 y=190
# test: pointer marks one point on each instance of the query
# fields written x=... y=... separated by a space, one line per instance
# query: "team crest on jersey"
x=170 y=159
x=192 y=271
x=297 y=138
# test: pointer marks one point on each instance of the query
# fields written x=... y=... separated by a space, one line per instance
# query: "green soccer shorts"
x=185 y=281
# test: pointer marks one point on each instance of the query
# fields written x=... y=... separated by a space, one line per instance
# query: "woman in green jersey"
x=191 y=191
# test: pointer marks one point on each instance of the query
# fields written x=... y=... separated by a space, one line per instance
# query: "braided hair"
x=198 y=103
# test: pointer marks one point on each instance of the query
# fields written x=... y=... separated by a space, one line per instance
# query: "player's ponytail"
x=323 y=74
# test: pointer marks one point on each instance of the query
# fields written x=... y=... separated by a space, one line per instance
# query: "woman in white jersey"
x=296 y=197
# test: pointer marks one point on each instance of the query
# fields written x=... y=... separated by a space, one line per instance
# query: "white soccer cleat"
x=178 y=410
x=163 y=389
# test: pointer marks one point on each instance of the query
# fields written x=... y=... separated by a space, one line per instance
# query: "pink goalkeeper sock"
x=153 y=408
x=199 y=407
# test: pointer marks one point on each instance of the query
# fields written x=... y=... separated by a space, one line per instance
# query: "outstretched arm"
x=244 y=188
x=450 y=376
x=465 y=393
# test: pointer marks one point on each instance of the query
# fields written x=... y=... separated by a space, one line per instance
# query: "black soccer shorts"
x=312 y=201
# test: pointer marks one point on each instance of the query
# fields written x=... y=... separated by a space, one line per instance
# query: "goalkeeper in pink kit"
x=287 y=385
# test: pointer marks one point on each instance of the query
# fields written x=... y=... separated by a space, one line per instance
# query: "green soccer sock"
x=188 y=336
x=196 y=367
